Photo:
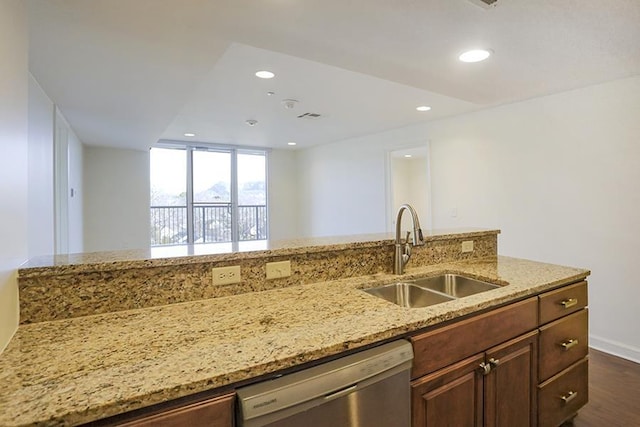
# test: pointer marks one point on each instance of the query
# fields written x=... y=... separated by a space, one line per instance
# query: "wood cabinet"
x=563 y=360
x=214 y=412
x=496 y=386
x=523 y=364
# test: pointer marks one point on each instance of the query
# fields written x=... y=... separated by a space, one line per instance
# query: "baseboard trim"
x=615 y=348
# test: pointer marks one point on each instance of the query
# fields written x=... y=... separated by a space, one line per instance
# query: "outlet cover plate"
x=277 y=270
x=467 y=246
x=226 y=275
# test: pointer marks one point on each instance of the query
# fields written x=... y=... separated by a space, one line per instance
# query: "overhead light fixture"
x=475 y=55
x=251 y=122
x=291 y=143
x=264 y=74
x=423 y=108
x=189 y=134
x=408 y=156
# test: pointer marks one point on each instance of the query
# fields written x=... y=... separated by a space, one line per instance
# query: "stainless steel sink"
x=431 y=290
x=454 y=285
x=408 y=295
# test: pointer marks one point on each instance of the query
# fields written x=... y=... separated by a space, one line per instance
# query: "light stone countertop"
x=215 y=252
x=72 y=371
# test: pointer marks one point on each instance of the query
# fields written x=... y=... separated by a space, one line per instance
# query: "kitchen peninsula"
x=103 y=335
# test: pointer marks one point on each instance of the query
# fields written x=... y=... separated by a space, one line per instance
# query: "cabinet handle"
x=568 y=344
x=485 y=368
x=569 y=302
x=569 y=397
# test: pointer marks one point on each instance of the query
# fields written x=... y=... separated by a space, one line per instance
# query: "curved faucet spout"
x=403 y=251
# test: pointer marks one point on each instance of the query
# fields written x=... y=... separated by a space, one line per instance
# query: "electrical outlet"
x=276 y=270
x=226 y=275
x=467 y=246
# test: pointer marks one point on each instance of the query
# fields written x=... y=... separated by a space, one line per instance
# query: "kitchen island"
x=81 y=369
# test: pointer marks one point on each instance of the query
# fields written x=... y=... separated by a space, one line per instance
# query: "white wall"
x=116 y=199
x=14 y=213
x=344 y=187
x=41 y=209
x=559 y=175
x=283 y=195
x=410 y=184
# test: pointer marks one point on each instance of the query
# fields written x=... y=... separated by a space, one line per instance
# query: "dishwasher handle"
x=341 y=393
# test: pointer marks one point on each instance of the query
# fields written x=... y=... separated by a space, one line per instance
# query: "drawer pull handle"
x=494 y=363
x=568 y=344
x=569 y=302
x=569 y=397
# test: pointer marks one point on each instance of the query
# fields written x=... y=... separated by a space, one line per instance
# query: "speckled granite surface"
x=219 y=252
x=72 y=371
x=64 y=291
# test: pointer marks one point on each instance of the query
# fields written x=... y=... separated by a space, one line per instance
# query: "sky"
x=169 y=169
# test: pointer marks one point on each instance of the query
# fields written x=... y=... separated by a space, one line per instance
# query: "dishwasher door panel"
x=384 y=404
x=366 y=389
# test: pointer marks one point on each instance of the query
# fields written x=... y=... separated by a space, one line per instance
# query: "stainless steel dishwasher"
x=366 y=389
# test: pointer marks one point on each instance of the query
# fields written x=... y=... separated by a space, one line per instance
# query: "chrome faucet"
x=403 y=251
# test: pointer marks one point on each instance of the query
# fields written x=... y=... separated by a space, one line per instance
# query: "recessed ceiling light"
x=475 y=55
x=291 y=143
x=407 y=156
x=264 y=74
x=189 y=134
x=423 y=108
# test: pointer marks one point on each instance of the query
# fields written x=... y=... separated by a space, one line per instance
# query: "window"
x=207 y=195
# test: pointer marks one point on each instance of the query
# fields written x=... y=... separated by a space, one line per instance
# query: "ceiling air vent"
x=485 y=3
x=310 y=116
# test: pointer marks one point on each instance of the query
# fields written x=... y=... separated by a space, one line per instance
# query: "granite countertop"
x=216 y=252
x=72 y=371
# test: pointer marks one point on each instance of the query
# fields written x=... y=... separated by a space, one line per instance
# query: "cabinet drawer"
x=560 y=397
x=563 y=301
x=440 y=347
x=562 y=343
x=215 y=412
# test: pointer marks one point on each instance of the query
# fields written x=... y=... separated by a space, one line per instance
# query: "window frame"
x=233 y=150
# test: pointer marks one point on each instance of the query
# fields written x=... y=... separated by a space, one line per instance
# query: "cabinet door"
x=451 y=396
x=510 y=388
x=216 y=412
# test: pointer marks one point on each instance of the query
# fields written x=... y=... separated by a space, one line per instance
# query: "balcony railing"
x=211 y=223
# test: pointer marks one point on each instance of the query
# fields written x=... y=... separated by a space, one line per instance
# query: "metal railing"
x=211 y=223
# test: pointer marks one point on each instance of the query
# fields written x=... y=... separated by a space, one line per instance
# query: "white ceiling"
x=126 y=73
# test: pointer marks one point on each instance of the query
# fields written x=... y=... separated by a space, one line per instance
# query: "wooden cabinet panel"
x=216 y=412
x=563 y=301
x=561 y=396
x=510 y=388
x=452 y=396
x=563 y=343
x=440 y=347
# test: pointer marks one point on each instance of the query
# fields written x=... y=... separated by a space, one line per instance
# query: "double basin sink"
x=430 y=290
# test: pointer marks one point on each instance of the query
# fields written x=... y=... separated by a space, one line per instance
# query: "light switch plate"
x=276 y=270
x=226 y=275
x=467 y=246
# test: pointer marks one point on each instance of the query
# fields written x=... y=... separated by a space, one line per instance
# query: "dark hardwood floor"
x=614 y=393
